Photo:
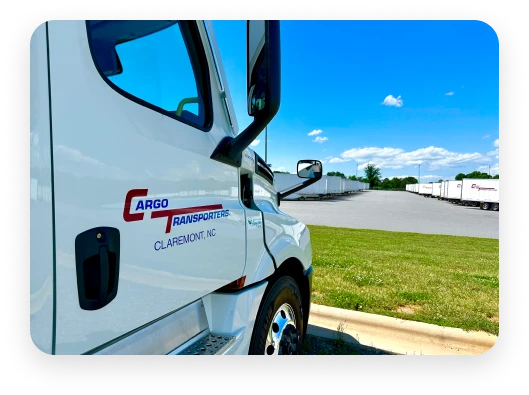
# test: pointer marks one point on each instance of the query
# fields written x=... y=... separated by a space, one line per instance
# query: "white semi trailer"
x=425 y=190
x=443 y=190
x=482 y=192
x=284 y=181
x=453 y=191
x=436 y=189
x=334 y=185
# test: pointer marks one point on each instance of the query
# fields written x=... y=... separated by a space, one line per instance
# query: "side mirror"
x=263 y=58
x=263 y=68
x=310 y=169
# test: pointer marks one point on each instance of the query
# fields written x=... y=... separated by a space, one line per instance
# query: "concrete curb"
x=396 y=335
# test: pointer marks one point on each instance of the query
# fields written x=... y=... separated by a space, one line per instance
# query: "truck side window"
x=158 y=64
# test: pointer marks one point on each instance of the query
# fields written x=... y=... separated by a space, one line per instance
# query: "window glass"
x=150 y=61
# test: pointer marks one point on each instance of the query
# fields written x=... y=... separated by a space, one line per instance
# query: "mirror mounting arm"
x=230 y=149
x=289 y=191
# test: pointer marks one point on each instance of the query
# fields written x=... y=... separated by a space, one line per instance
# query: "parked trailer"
x=350 y=186
x=410 y=187
x=284 y=181
x=425 y=190
x=443 y=190
x=436 y=189
x=482 y=192
x=453 y=191
x=334 y=185
x=316 y=190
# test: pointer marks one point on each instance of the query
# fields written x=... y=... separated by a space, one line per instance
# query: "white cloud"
x=338 y=160
x=392 y=101
x=320 y=139
x=431 y=177
x=371 y=151
x=316 y=132
x=396 y=158
x=449 y=93
x=494 y=169
x=495 y=153
x=255 y=143
x=486 y=136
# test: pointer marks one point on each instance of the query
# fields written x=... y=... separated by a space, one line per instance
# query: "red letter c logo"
x=127 y=216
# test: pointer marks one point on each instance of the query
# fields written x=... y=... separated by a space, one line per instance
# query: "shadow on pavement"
x=327 y=198
x=329 y=341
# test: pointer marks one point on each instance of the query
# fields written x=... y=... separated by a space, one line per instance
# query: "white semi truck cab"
x=154 y=228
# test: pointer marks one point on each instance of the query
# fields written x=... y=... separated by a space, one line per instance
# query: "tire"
x=495 y=207
x=283 y=297
x=485 y=205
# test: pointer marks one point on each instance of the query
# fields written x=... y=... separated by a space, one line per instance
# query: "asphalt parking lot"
x=396 y=211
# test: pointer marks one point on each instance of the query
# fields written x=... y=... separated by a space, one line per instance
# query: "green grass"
x=443 y=280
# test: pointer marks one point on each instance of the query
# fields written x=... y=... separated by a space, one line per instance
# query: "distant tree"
x=410 y=180
x=337 y=174
x=477 y=174
x=281 y=172
x=372 y=174
x=496 y=177
x=397 y=183
x=353 y=178
x=460 y=176
x=440 y=181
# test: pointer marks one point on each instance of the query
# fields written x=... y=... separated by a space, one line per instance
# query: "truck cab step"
x=209 y=344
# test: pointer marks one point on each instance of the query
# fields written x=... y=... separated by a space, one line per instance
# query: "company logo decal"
x=175 y=217
x=476 y=186
x=257 y=222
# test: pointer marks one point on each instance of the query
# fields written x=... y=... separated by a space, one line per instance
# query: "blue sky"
x=393 y=93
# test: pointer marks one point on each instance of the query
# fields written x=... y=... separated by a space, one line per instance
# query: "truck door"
x=145 y=221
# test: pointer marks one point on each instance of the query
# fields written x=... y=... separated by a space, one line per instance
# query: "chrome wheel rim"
x=282 y=337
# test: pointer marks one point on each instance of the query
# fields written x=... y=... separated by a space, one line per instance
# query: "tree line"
x=373 y=176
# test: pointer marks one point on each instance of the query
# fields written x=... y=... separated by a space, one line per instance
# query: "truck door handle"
x=97 y=266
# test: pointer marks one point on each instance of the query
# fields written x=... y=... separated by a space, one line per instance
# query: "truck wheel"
x=279 y=328
x=495 y=207
x=485 y=205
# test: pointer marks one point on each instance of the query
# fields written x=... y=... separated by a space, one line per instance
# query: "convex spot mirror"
x=263 y=68
x=310 y=169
